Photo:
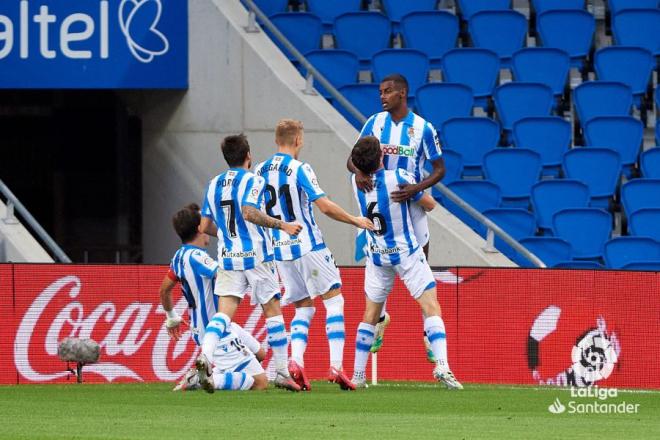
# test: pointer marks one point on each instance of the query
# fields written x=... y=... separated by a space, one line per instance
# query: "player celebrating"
x=305 y=264
x=232 y=212
x=195 y=270
x=407 y=141
x=393 y=250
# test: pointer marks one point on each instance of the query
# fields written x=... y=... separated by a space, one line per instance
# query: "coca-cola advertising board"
x=518 y=326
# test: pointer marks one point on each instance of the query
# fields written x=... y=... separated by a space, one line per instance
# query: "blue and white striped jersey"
x=196 y=270
x=394 y=237
x=241 y=245
x=291 y=187
x=407 y=144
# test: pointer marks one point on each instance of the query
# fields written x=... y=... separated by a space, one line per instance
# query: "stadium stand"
x=481 y=194
x=644 y=222
x=516 y=222
x=453 y=170
x=569 y=30
x=541 y=6
x=472 y=138
x=649 y=163
x=396 y=9
x=476 y=68
x=329 y=11
x=340 y=67
x=631 y=66
x=303 y=30
x=432 y=32
x=623 y=250
x=638 y=27
x=411 y=63
x=514 y=170
x=543 y=65
x=503 y=32
x=365 y=97
x=551 y=196
x=640 y=193
x=586 y=229
x=549 y=136
x=615 y=6
x=577 y=264
x=439 y=102
x=468 y=8
x=598 y=168
x=551 y=250
x=363 y=33
x=517 y=100
x=623 y=134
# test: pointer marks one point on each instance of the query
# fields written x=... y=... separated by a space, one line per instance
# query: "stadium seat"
x=619 y=5
x=515 y=171
x=643 y=265
x=577 y=264
x=598 y=168
x=476 y=68
x=649 y=163
x=543 y=65
x=411 y=63
x=340 y=67
x=640 y=193
x=638 y=27
x=516 y=222
x=551 y=250
x=600 y=98
x=621 y=133
x=396 y=9
x=551 y=196
x=439 y=102
x=328 y=11
x=645 y=222
x=541 y=6
x=623 y=250
x=631 y=66
x=272 y=7
x=503 y=32
x=470 y=7
x=363 y=33
x=549 y=136
x=472 y=138
x=365 y=97
x=586 y=229
x=569 y=30
x=302 y=29
x=453 y=170
x=432 y=32
x=517 y=100
x=480 y=194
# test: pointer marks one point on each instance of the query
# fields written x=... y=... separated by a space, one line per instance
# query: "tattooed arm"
x=253 y=215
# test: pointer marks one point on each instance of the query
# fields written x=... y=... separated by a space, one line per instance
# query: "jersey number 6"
x=377 y=219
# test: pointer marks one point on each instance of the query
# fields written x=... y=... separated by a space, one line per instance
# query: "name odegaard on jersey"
x=275 y=167
x=398 y=150
x=242 y=254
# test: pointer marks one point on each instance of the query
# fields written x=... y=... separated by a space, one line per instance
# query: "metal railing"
x=14 y=204
x=312 y=74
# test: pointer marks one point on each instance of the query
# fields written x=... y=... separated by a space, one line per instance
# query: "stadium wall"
x=241 y=82
x=511 y=326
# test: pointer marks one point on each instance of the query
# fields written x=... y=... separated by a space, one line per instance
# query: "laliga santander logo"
x=133 y=15
x=126 y=337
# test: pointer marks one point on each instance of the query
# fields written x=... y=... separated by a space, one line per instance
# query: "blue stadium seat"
x=623 y=250
x=453 y=170
x=516 y=222
x=365 y=97
x=619 y=5
x=396 y=9
x=598 y=168
x=602 y=98
x=328 y=11
x=638 y=27
x=569 y=30
x=363 y=33
x=302 y=29
x=515 y=171
x=340 y=67
x=552 y=196
x=503 y=32
x=645 y=222
x=541 y=6
x=432 y=32
x=477 y=68
x=640 y=193
x=517 y=100
x=411 y=63
x=649 y=163
x=621 y=133
x=543 y=65
x=272 y=7
x=550 y=136
x=439 y=102
x=586 y=229
x=577 y=264
x=470 y=7
x=481 y=194
x=551 y=250
x=472 y=138
x=631 y=66
x=643 y=265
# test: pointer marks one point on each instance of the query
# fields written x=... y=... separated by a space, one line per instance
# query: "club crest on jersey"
x=411 y=132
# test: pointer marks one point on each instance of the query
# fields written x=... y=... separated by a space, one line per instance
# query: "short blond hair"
x=287 y=130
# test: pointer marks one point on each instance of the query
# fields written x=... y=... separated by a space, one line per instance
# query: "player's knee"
x=260 y=382
x=331 y=293
x=272 y=308
x=305 y=302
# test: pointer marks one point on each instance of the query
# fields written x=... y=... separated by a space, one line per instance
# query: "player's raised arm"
x=173 y=321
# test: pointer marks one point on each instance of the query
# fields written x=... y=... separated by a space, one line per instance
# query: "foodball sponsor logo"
x=593 y=400
x=398 y=150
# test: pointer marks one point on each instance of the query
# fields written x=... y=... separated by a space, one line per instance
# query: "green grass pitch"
x=390 y=410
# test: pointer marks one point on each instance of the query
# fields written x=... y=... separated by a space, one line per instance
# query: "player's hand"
x=363 y=181
x=364 y=223
x=173 y=326
x=405 y=192
x=292 y=228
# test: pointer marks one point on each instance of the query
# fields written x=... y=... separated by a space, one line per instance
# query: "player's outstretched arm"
x=427 y=202
x=173 y=321
x=336 y=212
x=253 y=215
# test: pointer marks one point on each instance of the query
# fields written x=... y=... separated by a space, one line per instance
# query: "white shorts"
x=309 y=276
x=248 y=364
x=262 y=281
x=420 y=222
x=413 y=270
